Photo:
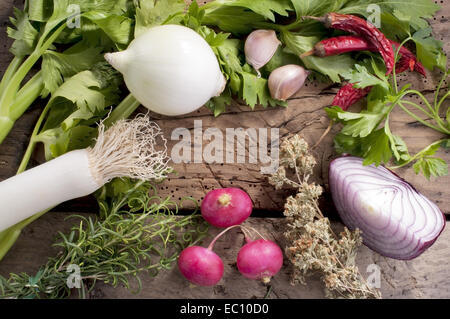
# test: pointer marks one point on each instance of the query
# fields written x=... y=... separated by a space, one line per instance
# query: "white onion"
x=395 y=219
x=170 y=69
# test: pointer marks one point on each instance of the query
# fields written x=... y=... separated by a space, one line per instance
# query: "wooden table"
x=425 y=277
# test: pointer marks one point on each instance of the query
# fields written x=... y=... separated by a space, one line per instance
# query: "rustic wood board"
x=425 y=277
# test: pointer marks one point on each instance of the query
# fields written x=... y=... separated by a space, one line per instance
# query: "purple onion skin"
x=379 y=179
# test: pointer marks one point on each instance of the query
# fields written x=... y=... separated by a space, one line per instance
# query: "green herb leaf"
x=78 y=103
x=282 y=57
x=416 y=10
x=118 y=28
x=356 y=124
x=361 y=77
x=429 y=50
x=219 y=104
x=431 y=166
x=377 y=148
x=316 y=7
x=24 y=34
x=265 y=8
x=374 y=148
x=398 y=146
x=40 y=10
x=151 y=13
x=237 y=20
x=255 y=90
x=58 y=66
x=136 y=233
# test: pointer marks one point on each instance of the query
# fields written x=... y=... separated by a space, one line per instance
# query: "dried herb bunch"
x=313 y=247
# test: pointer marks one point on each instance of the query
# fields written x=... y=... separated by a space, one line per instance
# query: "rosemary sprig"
x=136 y=233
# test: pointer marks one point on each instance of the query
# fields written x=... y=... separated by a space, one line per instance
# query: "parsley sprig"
x=368 y=134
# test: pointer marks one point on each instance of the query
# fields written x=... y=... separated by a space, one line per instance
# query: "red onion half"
x=395 y=219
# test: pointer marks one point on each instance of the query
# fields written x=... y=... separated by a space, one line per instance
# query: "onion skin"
x=395 y=219
x=226 y=207
x=260 y=260
x=170 y=69
x=201 y=266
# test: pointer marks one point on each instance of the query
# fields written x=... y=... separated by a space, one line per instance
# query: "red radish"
x=226 y=207
x=260 y=260
x=201 y=266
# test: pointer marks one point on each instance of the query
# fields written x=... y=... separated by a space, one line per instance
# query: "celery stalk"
x=14 y=101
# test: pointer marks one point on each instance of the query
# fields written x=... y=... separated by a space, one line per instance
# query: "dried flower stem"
x=312 y=244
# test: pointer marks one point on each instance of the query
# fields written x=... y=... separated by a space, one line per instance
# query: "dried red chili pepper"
x=349 y=95
x=339 y=45
x=407 y=61
x=349 y=43
x=365 y=29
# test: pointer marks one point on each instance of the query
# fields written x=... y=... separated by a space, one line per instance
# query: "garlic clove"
x=260 y=47
x=287 y=80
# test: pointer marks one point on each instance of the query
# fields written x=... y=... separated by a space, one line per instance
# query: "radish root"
x=130 y=148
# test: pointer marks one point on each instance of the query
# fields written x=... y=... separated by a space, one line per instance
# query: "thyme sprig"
x=312 y=245
x=136 y=233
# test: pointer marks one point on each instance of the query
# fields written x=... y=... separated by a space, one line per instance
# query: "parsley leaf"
x=356 y=124
x=431 y=166
x=377 y=148
x=361 y=77
x=237 y=20
x=316 y=7
x=417 y=10
x=429 y=50
x=265 y=8
x=76 y=105
x=57 y=66
x=219 y=104
x=151 y=13
x=24 y=34
x=118 y=28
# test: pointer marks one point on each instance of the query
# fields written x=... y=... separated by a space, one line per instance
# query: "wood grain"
x=425 y=277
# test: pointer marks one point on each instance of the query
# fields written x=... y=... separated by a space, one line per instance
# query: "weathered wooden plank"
x=427 y=276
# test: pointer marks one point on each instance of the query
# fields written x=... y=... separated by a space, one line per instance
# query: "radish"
x=127 y=149
x=226 y=207
x=201 y=266
x=260 y=260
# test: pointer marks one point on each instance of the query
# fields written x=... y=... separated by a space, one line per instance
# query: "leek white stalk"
x=127 y=149
x=170 y=69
